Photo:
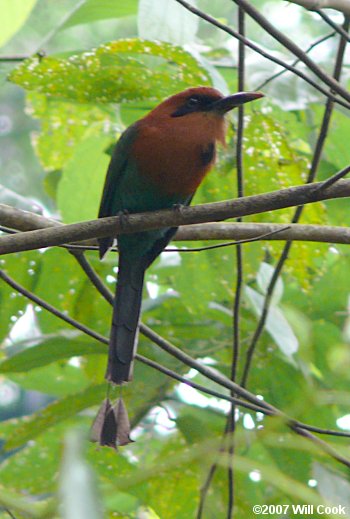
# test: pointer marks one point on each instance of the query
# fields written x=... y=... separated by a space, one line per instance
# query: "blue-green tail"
x=125 y=321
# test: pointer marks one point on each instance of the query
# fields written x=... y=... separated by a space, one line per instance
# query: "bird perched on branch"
x=158 y=163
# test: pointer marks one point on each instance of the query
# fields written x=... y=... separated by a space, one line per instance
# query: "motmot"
x=158 y=163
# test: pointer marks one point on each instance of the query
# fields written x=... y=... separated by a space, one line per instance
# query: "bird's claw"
x=178 y=208
x=124 y=218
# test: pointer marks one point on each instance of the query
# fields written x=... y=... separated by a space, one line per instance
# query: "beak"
x=228 y=103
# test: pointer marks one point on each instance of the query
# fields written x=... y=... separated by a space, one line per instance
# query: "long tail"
x=126 y=314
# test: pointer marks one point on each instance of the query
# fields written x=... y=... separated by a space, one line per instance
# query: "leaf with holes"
x=122 y=70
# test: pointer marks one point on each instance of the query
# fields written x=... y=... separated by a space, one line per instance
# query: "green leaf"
x=57 y=380
x=263 y=280
x=276 y=324
x=59 y=281
x=31 y=427
x=332 y=486
x=34 y=468
x=14 y=13
x=62 y=126
x=199 y=424
x=272 y=161
x=80 y=188
x=194 y=313
x=18 y=504
x=167 y=21
x=62 y=346
x=24 y=268
x=93 y=10
x=123 y=70
x=337 y=147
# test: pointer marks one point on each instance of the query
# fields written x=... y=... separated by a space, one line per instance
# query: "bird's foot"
x=178 y=208
x=124 y=218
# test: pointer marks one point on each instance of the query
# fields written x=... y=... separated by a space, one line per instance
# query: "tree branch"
x=173 y=350
x=301 y=54
x=293 y=47
x=323 y=186
x=338 y=28
x=257 y=405
x=262 y=407
x=254 y=403
x=25 y=221
x=243 y=231
x=307 y=51
x=312 y=5
x=4 y=59
x=111 y=226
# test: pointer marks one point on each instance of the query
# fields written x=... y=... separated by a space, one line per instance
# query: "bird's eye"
x=192 y=102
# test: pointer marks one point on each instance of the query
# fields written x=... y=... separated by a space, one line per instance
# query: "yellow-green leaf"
x=122 y=70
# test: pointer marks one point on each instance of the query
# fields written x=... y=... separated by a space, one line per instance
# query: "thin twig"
x=173 y=350
x=311 y=177
x=231 y=243
x=199 y=387
x=340 y=30
x=205 y=489
x=59 y=25
x=12 y=58
x=307 y=51
x=50 y=308
x=271 y=57
x=334 y=178
x=94 y=277
x=8 y=511
x=289 y=44
x=295 y=232
x=259 y=405
x=231 y=422
x=319 y=430
x=341 y=6
x=323 y=445
x=91 y=333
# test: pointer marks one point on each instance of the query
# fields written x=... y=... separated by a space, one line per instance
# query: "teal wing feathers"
x=111 y=202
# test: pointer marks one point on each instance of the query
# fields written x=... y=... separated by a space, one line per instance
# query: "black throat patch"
x=207 y=154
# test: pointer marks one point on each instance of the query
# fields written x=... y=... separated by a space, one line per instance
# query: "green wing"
x=117 y=169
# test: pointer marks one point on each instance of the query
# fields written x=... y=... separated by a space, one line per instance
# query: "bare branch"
x=25 y=221
x=293 y=47
x=312 y=5
x=334 y=178
x=322 y=135
x=112 y=226
x=245 y=231
x=253 y=403
x=4 y=59
x=296 y=50
x=328 y=449
x=307 y=51
x=338 y=28
x=173 y=350
x=216 y=376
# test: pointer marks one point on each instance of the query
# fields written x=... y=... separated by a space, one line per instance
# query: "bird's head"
x=202 y=100
x=177 y=139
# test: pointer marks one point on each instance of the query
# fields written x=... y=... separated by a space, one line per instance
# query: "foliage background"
x=59 y=115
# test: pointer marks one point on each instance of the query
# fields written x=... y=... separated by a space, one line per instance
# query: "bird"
x=158 y=163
